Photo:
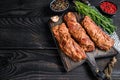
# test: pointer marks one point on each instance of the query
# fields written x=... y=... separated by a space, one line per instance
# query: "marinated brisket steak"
x=78 y=32
x=100 y=38
x=67 y=44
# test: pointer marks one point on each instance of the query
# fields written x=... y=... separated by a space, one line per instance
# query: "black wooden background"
x=31 y=54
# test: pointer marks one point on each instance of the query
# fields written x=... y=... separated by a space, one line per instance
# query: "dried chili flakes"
x=108 y=7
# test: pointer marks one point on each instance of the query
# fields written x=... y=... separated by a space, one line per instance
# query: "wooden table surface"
x=43 y=63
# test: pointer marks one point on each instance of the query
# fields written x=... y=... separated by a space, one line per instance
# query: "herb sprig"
x=96 y=16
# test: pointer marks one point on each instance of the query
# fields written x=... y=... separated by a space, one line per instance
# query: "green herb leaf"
x=96 y=16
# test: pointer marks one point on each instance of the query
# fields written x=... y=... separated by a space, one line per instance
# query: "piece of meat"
x=101 y=39
x=78 y=32
x=56 y=32
x=67 y=44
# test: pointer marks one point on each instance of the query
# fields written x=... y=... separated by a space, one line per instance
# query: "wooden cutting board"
x=70 y=64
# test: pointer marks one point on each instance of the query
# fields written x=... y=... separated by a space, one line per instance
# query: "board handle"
x=94 y=68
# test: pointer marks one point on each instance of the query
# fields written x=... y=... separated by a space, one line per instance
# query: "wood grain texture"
x=26 y=33
x=44 y=64
x=39 y=64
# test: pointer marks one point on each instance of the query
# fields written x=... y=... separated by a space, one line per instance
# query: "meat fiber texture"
x=99 y=37
x=78 y=32
x=67 y=44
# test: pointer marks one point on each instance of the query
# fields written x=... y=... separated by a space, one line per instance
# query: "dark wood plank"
x=26 y=33
x=41 y=64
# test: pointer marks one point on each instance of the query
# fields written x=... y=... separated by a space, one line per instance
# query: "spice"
x=59 y=5
x=108 y=7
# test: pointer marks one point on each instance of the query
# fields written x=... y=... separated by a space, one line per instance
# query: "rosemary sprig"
x=97 y=17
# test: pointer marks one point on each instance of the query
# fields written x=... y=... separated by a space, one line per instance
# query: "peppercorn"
x=59 y=5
